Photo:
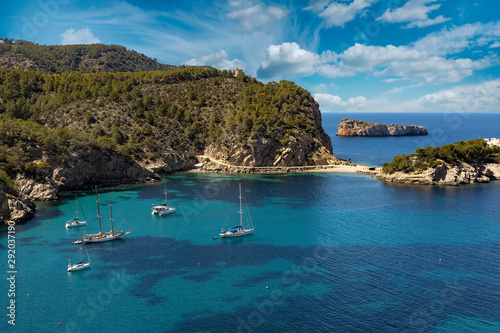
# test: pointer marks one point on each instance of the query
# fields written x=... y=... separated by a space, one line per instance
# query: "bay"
x=331 y=252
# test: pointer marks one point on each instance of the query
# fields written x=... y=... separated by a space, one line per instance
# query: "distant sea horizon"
x=443 y=128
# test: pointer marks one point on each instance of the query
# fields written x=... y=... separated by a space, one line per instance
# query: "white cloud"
x=81 y=36
x=480 y=97
x=414 y=11
x=336 y=13
x=327 y=100
x=433 y=70
x=288 y=58
x=495 y=45
x=426 y=23
x=457 y=39
x=391 y=62
x=317 y=5
x=255 y=17
x=484 y=97
x=218 y=60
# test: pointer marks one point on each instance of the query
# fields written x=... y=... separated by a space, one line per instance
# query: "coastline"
x=446 y=175
x=208 y=164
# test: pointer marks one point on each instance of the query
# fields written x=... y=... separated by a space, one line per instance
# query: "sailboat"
x=103 y=236
x=163 y=208
x=76 y=222
x=81 y=265
x=239 y=230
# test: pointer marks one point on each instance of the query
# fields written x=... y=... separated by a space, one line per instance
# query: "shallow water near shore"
x=331 y=252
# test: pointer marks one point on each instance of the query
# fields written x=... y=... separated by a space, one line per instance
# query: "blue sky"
x=352 y=55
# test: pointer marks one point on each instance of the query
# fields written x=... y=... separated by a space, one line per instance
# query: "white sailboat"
x=163 y=208
x=81 y=265
x=239 y=230
x=103 y=236
x=76 y=222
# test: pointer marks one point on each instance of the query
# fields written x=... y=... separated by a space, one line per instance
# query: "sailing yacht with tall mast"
x=81 y=265
x=103 y=236
x=76 y=222
x=239 y=230
x=163 y=208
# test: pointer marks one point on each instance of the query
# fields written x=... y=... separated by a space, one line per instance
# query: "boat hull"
x=101 y=238
x=75 y=224
x=78 y=267
x=229 y=234
x=163 y=211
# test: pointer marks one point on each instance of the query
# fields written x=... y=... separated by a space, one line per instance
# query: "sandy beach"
x=216 y=166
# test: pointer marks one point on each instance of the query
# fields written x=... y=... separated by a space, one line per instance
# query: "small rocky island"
x=465 y=162
x=350 y=127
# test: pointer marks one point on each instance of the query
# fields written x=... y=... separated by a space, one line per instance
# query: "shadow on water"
x=365 y=292
x=362 y=288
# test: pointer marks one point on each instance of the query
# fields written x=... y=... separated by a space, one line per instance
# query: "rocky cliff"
x=78 y=170
x=14 y=206
x=446 y=174
x=350 y=127
x=300 y=148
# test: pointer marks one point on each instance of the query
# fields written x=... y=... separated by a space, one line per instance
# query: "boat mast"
x=111 y=216
x=76 y=202
x=241 y=210
x=165 y=191
x=98 y=212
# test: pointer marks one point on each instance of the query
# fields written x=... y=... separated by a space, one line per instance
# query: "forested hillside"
x=63 y=130
x=143 y=113
x=57 y=59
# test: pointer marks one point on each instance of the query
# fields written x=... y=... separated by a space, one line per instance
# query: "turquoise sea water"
x=331 y=253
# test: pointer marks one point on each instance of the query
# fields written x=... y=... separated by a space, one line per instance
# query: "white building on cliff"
x=492 y=142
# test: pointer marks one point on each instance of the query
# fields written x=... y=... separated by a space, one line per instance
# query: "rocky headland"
x=351 y=127
x=446 y=174
x=119 y=140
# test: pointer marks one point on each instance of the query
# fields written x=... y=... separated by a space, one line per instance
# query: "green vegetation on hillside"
x=274 y=109
x=471 y=151
x=58 y=59
x=140 y=114
x=151 y=109
x=17 y=135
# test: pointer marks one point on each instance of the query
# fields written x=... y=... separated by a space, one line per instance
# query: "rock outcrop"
x=14 y=206
x=445 y=174
x=350 y=127
x=299 y=150
x=79 y=170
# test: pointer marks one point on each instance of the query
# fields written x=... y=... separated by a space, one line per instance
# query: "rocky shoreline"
x=18 y=205
x=87 y=169
x=79 y=171
x=210 y=165
x=446 y=174
x=351 y=127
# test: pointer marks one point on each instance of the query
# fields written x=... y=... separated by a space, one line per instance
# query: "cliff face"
x=299 y=149
x=445 y=174
x=14 y=206
x=78 y=170
x=350 y=127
